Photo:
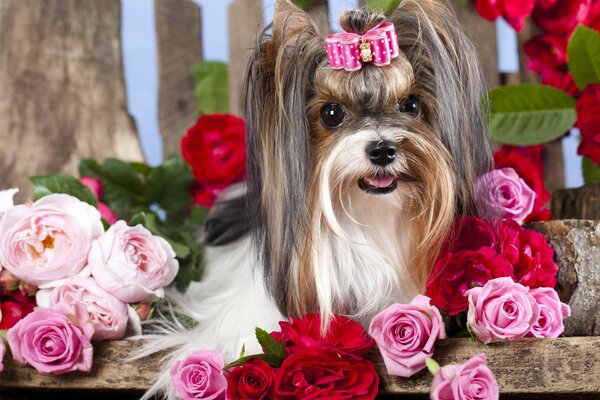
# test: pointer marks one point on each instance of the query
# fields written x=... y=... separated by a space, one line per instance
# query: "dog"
x=356 y=170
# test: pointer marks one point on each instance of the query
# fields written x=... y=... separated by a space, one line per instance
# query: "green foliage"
x=385 y=6
x=211 y=87
x=432 y=365
x=45 y=185
x=529 y=114
x=274 y=352
x=305 y=4
x=591 y=171
x=584 y=56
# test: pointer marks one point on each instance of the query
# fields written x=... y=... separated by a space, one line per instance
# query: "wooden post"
x=581 y=203
x=178 y=36
x=244 y=24
x=62 y=88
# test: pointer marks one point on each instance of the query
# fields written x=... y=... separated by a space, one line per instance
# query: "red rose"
x=12 y=311
x=215 y=148
x=470 y=233
x=545 y=4
x=588 y=120
x=455 y=273
x=536 y=267
x=203 y=195
x=326 y=376
x=343 y=336
x=253 y=380
x=546 y=52
x=514 y=11
x=593 y=20
x=563 y=17
x=532 y=174
x=508 y=243
x=561 y=79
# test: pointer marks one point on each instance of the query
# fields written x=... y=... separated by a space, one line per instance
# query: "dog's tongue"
x=380 y=182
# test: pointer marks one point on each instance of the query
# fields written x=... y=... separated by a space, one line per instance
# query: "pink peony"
x=2 y=353
x=406 y=334
x=107 y=314
x=49 y=239
x=95 y=185
x=47 y=340
x=552 y=313
x=132 y=263
x=501 y=309
x=469 y=381
x=199 y=376
x=505 y=191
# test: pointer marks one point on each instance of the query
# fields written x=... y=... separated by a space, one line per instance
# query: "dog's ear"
x=290 y=20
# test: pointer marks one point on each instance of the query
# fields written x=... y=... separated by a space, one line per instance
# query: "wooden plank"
x=178 y=36
x=245 y=25
x=528 y=367
x=62 y=86
x=580 y=203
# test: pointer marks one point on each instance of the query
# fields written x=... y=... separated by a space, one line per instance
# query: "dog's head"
x=331 y=148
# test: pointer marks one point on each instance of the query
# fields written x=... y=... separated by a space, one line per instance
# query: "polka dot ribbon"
x=349 y=50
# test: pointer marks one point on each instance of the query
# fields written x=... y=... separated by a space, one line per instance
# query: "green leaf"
x=432 y=365
x=269 y=358
x=269 y=344
x=169 y=185
x=141 y=168
x=385 y=6
x=463 y=2
x=89 y=167
x=243 y=351
x=45 y=185
x=211 y=87
x=305 y=4
x=529 y=114
x=591 y=171
x=584 y=56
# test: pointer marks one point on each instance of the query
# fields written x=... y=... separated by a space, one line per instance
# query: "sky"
x=141 y=74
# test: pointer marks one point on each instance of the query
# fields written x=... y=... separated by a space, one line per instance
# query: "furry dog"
x=354 y=179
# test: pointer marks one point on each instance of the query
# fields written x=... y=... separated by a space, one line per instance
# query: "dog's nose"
x=382 y=153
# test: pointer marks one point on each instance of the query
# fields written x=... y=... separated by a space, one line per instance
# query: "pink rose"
x=2 y=353
x=96 y=187
x=132 y=263
x=552 y=313
x=469 y=381
x=501 y=309
x=406 y=334
x=47 y=340
x=199 y=376
x=49 y=239
x=107 y=314
x=505 y=191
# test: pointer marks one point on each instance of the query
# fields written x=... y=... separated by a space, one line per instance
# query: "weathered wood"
x=320 y=15
x=576 y=245
x=62 y=88
x=178 y=37
x=554 y=166
x=525 y=75
x=581 y=203
x=527 y=367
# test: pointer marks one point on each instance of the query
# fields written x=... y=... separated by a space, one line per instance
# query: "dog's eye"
x=409 y=105
x=333 y=115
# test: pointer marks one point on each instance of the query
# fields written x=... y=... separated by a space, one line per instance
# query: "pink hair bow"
x=350 y=50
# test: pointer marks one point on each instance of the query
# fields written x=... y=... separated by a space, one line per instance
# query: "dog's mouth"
x=376 y=184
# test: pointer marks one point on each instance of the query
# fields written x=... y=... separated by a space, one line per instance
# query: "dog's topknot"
x=360 y=21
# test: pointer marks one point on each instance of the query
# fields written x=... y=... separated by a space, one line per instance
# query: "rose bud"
x=8 y=281
x=27 y=289
x=143 y=310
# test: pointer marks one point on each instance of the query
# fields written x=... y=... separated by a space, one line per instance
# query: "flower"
x=455 y=273
x=215 y=148
x=546 y=52
x=2 y=353
x=471 y=380
x=563 y=16
x=107 y=314
x=132 y=263
x=14 y=307
x=199 y=376
x=535 y=266
x=8 y=282
x=588 y=120
x=6 y=200
x=504 y=191
x=552 y=313
x=313 y=375
x=501 y=309
x=253 y=380
x=470 y=233
x=47 y=340
x=343 y=336
x=514 y=12
x=95 y=185
x=48 y=240
x=561 y=79
x=203 y=195
x=406 y=334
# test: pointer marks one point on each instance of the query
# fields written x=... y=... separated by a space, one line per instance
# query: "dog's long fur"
x=301 y=236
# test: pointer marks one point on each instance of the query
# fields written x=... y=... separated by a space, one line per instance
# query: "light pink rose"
x=552 y=313
x=47 y=340
x=49 y=239
x=406 y=334
x=469 y=381
x=132 y=263
x=505 y=191
x=2 y=351
x=107 y=314
x=96 y=187
x=501 y=309
x=200 y=376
